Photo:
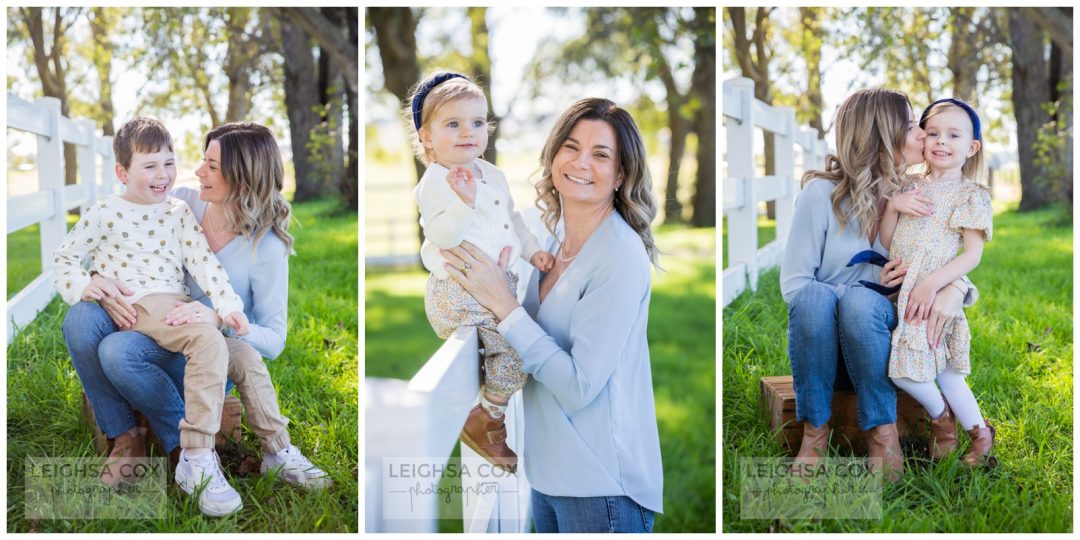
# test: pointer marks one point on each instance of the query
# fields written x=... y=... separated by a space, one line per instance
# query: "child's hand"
x=102 y=287
x=462 y=182
x=238 y=321
x=920 y=300
x=542 y=260
x=912 y=203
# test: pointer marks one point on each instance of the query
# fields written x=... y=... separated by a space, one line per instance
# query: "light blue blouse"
x=261 y=279
x=590 y=419
x=818 y=250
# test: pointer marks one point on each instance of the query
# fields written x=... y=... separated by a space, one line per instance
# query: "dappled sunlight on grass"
x=1022 y=375
x=315 y=376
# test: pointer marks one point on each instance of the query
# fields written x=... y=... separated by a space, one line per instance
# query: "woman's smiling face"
x=586 y=167
x=214 y=187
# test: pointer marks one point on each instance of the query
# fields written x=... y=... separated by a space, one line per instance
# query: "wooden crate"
x=231 y=424
x=778 y=401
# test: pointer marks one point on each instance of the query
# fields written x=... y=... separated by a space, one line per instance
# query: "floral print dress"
x=925 y=244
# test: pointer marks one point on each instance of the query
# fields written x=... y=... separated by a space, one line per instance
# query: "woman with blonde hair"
x=834 y=318
x=590 y=422
x=245 y=218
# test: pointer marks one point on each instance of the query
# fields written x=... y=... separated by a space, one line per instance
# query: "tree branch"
x=330 y=37
x=1056 y=22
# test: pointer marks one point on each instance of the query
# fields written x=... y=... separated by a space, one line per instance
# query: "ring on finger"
x=468 y=266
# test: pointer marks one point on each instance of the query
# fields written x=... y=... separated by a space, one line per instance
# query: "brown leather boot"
x=814 y=445
x=982 y=441
x=487 y=437
x=884 y=443
x=126 y=451
x=943 y=434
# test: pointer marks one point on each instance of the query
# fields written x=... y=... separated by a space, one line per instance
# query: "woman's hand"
x=192 y=312
x=948 y=305
x=913 y=203
x=892 y=274
x=485 y=280
x=109 y=294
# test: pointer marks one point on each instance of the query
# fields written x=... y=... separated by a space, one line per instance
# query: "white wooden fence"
x=743 y=192
x=411 y=428
x=48 y=205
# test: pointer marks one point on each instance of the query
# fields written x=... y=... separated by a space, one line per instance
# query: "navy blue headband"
x=422 y=92
x=974 y=116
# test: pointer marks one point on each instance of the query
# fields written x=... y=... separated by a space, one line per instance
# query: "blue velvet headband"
x=974 y=116
x=422 y=92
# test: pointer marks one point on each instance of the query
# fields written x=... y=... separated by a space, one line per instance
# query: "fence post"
x=742 y=221
x=87 y=159
x=109 y=181
x=50 y=164
x=785 y=168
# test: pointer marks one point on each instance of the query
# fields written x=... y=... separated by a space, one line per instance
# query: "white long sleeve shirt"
x=145 y=246
x=491 y=224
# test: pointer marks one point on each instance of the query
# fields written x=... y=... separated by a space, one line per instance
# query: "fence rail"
x=418 y=421
x=48 y=205
x=743 y=190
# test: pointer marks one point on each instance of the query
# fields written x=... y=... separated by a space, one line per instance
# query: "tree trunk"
x=962 y=59
x=100 y=27
x=1030 y=90
x=679 y=127
x=351 y=180
x=301 y=97
x=395 y=34
x=811 y=25
x=52 y=71
x=704 y=87
x=480 y=66
x=1067 y=113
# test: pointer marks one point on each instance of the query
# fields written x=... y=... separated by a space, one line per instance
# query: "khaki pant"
x=450 y=306
x=211 y=357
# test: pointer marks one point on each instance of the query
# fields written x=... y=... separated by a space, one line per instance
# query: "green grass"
x=316 y=379
x=682 y=338
x=1022 y=376
x=24 y=256
x=766 y=233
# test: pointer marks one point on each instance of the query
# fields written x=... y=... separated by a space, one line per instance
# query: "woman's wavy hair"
x=251 y=165
x=871 y=127
x=635 y=200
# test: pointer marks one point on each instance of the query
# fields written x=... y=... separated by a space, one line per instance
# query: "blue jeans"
x=853 y=331
x=589 y=514
x=122 y=371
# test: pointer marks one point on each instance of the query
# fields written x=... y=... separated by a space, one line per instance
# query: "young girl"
x=942 y=210
x=463 y=198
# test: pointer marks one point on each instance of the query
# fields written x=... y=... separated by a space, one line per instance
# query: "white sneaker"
x=295 y=468
x=217 y=497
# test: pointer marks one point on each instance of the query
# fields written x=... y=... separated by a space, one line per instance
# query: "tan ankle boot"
x=943 y=434
x=815 y=443
x=982 y=441
x=127 y=450
x=487 y=436
x=884 y=443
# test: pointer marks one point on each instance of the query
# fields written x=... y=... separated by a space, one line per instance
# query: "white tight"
x=953 y=387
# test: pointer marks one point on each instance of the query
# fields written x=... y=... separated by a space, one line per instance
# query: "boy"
x=146 y=239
